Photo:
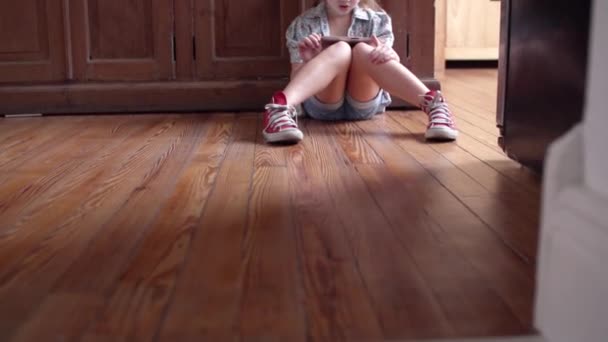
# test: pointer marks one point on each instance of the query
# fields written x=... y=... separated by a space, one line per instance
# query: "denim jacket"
x=365 y=23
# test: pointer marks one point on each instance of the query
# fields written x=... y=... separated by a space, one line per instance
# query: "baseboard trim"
x=148 y=97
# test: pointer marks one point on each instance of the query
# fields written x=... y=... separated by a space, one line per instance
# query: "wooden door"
x=242 y=39
x=472 y=30
x=32 y=46
x=399 y=12
x=122 y=40
x=421 y=39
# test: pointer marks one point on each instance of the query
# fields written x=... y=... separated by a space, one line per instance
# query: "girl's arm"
x=308 y=48
x=382 y=52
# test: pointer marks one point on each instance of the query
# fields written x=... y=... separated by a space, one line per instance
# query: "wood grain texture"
x=354 y=146
x=265 y=154
x=227 y=47
x=404 y=304
x=440 y=36
x=60 y=317
x=189 y=227
x=206 y=294
x=21 y=146
x=141 y=297
x=504 y=269
x=338 y=304
x=11 y=128
x=44 y=165
x=54 y=239
x=122 y=42
x=32 y=42
x=71 y=195
x=122 y=233
x=472 y=29
x=272 y=296
x=184 y=31
x=467 y=299
x=518 y=227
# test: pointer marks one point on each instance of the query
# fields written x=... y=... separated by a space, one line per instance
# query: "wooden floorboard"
x=165 y=227
x=138 y=303
x=339 y=306
x=404 y=303
x=504 y=269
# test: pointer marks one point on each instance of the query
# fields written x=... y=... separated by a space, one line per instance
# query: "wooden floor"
x=188 y=228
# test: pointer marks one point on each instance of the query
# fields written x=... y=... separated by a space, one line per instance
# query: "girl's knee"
x=340 y=49
x=361 y=50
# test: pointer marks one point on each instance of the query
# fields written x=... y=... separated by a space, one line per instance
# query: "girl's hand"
x=310 y=47
x=382 y=53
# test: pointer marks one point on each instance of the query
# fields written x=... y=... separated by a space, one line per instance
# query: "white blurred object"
x=596 y=162
x=572 y=285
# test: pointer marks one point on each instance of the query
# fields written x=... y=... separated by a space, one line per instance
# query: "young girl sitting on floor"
x=341 y=82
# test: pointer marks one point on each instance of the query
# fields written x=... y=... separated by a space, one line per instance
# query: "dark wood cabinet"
x=165 y=55
x=242 y=39
x=122 y=40
x=32 y=41
x=543 y=61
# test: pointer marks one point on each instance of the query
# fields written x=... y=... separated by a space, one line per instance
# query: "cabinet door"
x=400 y=13
x=122 y=40
x=32 y=46
x=242 y=39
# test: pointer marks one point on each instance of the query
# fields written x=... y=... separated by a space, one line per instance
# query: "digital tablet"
x=329 y=40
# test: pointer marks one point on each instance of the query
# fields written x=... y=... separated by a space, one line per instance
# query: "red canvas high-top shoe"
x=279 y=123
x=441 y=121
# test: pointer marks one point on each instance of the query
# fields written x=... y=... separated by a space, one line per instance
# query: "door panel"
x=420 y=28
x=472 y=31
x=242 y=39
x=32 y=46
x=399 y=10
x=122 y=40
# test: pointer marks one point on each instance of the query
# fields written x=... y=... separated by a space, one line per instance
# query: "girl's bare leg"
x=323 y=76
x=366 y=78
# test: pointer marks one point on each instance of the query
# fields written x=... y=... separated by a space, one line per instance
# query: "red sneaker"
x=279 y=123
x=441 y=121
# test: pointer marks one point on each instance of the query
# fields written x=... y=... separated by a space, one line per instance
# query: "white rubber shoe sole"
x=441 y=133
x=292 y=135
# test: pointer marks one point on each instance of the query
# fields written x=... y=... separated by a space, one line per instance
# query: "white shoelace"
x=282 y=115
x=438 y=111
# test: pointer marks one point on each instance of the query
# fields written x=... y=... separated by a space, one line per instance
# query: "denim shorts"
x=347 y=109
